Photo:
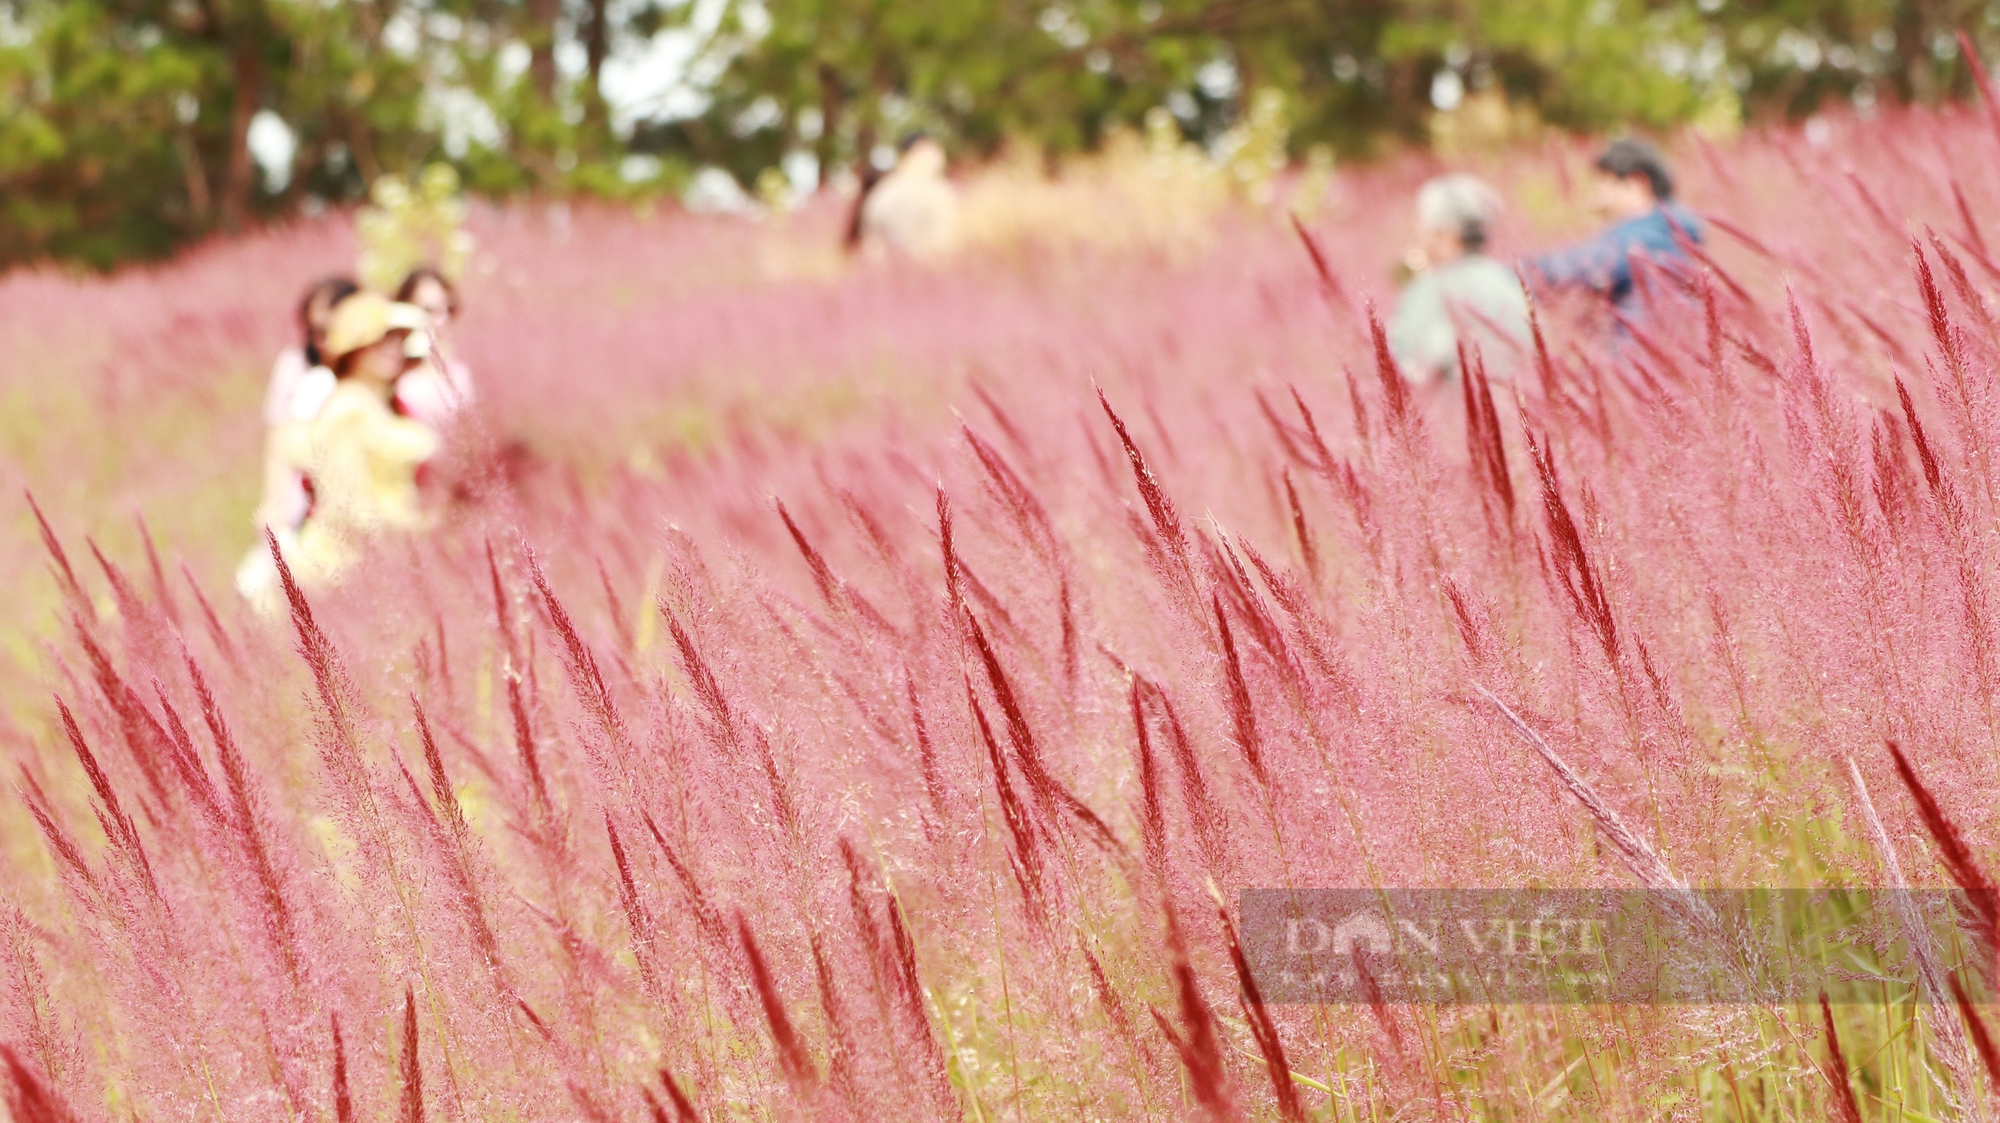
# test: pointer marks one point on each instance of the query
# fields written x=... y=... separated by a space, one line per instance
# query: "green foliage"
x=839 y=77
x=413 y=224
x=87 y=135
x=1585 y=63
x=124 y=123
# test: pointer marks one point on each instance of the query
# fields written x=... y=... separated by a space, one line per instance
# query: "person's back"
x=1634 y=189
x=1459 y=294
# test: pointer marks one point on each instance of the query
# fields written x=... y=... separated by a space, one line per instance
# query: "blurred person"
x=438 y=390
x=1636 y=193
x=1458 y=293
x=299 y=385
x=360 y=456
x=913 y=210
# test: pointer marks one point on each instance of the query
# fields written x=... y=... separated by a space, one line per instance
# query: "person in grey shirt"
x=1458 y=293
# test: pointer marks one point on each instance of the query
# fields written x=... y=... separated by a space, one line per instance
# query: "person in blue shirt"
x=1636 y=192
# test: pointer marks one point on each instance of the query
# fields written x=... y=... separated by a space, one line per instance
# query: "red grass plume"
x=792 y=1058
x=1242 y=715
x=585 y=677
x=1982 y=1040
x=1845 y=1109
x=1261 y=1026
x=118 y=826
x=29 y=1098
x=1207 y=814
x=1166 y=520
x=1393 y=387
x=1152 y=816
x=343 y=1097
x=1329 y=284
x=1488 y=453
x=683 y=1107
x=1580 y=579
x=1980 y=905
x=411 y=1109
x=245 y=824
x=1024 y=858
x=65 y=575
x=1049 y=793
x=1198 y=1042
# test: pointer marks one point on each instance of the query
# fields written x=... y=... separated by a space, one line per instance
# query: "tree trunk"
x=864 y=146
x=308 y=157
x=597 y=47
x=1913 y=52
x=194 y=176
x=240 y=176
x=361 y=148
x=832 y=103
x=541 y=39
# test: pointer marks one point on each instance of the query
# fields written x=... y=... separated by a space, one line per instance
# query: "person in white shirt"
x=912 y=211
x=300 y=383
x=1457 y=294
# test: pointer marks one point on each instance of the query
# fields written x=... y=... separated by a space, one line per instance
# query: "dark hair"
x=1627 y=158
x=333 y=290
x=423 y=273
x=343 y=365
x=911 y=139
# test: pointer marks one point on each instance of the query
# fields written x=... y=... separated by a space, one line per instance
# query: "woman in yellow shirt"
x=360 y=456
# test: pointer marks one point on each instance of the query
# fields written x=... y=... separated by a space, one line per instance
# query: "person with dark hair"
x=360 y=454
x=429 y=289
x=1457 y=293
x=315 y=313
x=1636 y=192
x=298 y=386
x=441 y=388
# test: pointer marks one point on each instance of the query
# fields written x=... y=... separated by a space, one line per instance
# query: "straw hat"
x=367 y=317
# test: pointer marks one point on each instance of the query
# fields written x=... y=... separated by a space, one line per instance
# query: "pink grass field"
x=817 y=703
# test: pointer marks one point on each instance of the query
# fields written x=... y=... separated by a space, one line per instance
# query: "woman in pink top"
x=439 y=390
